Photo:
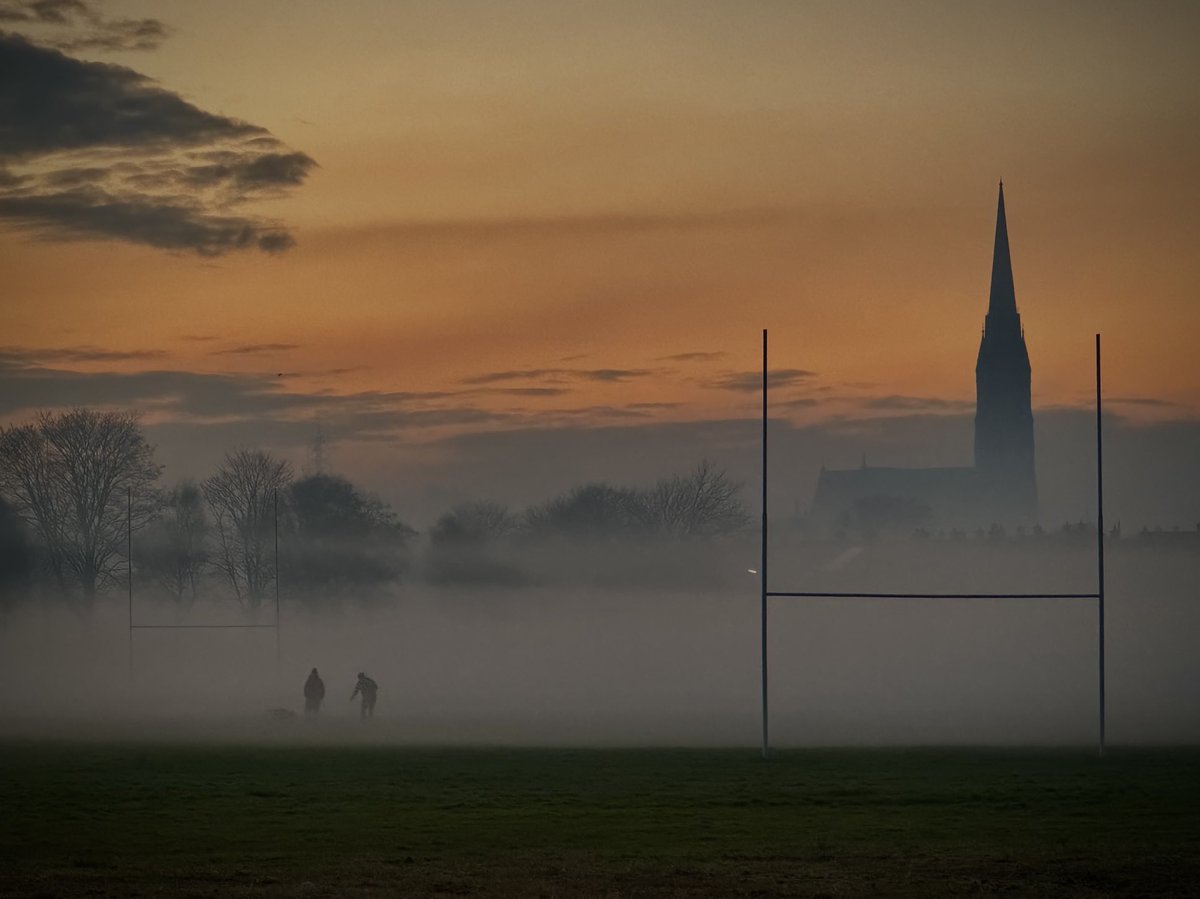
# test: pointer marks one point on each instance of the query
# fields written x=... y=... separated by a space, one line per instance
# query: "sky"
x=502 y=248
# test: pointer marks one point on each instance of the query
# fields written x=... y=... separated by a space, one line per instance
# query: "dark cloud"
x=253 y=348
x=253 y=173
x=76 y=354
x=53 y=103
x=166 y=225
x=800 y=402
x=236 y=402
x=603 y=224
x=1142 y=401
x=616 y=374
x=202 y=398
x=527 y=374
x=748 y=381
x=559 y=375
x=55 y=12
x=25 y=385
x=693 y=357
x=344 y=418
x=523 y=391
x=86 y=26
x=525 y=455
x=915 y=403
x=596 y=413
x=97 y=151
x=118 y=35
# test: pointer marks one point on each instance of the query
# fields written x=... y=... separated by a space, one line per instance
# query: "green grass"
x=143 y=819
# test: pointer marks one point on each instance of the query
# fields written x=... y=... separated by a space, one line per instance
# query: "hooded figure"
x=368 y=688
x=314 y=693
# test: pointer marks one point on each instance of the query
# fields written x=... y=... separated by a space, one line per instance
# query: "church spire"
x=1003 y=296
x=1004 y=459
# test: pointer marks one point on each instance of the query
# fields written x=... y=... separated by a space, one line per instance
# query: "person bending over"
x=367 y=688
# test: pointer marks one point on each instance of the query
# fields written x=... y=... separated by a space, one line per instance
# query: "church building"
x=1001 y=487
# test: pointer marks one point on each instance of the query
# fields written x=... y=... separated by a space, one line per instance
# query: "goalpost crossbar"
x=275 y=625
x=1098 y=595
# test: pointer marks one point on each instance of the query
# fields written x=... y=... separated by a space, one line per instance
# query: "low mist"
x=664 y=664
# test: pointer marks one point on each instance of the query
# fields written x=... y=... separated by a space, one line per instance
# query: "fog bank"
x=589 y=666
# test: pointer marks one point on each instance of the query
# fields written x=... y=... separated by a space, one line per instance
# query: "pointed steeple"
x=1004 y=451
x=1003 y=296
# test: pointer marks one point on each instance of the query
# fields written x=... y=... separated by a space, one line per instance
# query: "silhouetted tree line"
x=75 y=485
x=702 y=503
x=880 y=516
x=484 y=541
x=333 y=538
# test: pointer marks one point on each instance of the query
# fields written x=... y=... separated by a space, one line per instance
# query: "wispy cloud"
x=1142 y=401
x=78 y=354
x=693 y=357
x=28 y=383
x=748 y=381
x=916 y=403
x=521 y=391
x=29 y=380
x=559 y=375
x=248 y=349
x=81 y=25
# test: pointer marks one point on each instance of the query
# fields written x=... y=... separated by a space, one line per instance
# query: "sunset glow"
x=544 y=215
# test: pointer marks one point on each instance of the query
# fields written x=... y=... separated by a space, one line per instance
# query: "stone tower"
x=1003 y=412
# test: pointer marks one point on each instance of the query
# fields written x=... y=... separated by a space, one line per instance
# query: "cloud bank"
x=91 y=150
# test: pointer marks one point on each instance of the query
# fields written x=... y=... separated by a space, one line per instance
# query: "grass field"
x=153 y=820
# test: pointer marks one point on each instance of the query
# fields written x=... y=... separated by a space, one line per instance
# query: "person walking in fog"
x=367 y=688
x=314 y=693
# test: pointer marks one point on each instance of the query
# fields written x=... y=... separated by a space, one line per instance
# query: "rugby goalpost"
x=767 y=594
x=133 y=626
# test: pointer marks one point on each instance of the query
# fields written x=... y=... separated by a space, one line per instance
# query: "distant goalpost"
x=1098 y=595
x=134 y=626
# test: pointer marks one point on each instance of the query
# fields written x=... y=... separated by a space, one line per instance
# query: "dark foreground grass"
x=154 y=820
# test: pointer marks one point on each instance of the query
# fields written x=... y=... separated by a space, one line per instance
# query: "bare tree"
x=241 y=497
x=462 y=543
x=342 y=538
x=175 y=549
x=702 y=503
x=67 y=474
x=474 y=524
x=590 y=512
x=16 y=553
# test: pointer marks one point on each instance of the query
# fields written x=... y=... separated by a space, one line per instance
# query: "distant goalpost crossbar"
x=1098 y=595
x=133 y=626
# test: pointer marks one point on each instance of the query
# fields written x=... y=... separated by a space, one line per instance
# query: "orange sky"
x=597 y=187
